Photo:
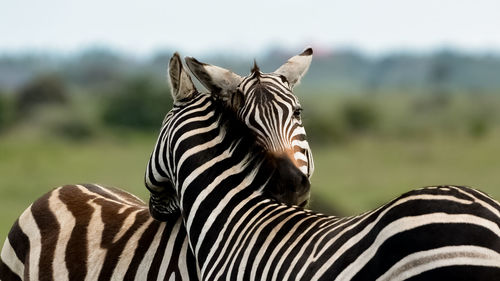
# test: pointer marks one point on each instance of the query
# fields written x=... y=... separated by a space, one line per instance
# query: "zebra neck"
x=237 y=168
x=218 y=158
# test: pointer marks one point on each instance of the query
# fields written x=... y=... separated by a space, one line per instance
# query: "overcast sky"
x=141 y=27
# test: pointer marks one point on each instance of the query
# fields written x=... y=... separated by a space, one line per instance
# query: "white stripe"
x=129 y=250
x=144 y=266
x=139 y=203
x=28 y=225
x=182 y=260
x=96 y=254
x=67 y=223
x=440 y=257
x=300 y=143
x=11 y=260
x=299 y=131
x=300 y=156
x=168 y=251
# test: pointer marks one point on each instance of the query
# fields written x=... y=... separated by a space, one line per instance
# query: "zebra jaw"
x=288 y=185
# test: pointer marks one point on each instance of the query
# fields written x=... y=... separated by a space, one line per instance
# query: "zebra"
x=224 y=183
x=92 y=232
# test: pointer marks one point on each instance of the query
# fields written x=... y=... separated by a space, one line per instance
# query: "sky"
x=194 y=27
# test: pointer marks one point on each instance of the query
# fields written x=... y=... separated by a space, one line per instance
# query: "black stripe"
x=76 y=250
x=19 y=242
x=142 y=247
x=6 y=274
x=113 y=222
x=49 y=233
x=160 y=252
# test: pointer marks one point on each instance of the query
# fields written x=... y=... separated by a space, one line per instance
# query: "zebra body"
x=238 y=231
x=89 y=232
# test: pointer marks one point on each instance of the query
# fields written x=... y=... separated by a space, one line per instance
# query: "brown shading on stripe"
x=6 y=274
x=19 y=242
x=76 y=251
x=49 y=234
x=112 y=194
x=113 y=222
x=98 y=190
x=142 y=247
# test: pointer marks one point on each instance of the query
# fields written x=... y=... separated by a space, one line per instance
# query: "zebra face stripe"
x=272 y=111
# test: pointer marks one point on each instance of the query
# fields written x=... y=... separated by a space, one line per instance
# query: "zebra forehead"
x=266 y=89
x=258 y=78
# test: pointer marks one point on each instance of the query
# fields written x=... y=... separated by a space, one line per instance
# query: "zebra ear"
x=180 y=82
x=296 y=67
x=217 y=80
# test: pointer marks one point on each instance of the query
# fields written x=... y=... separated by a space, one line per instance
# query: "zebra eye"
x=296 y=113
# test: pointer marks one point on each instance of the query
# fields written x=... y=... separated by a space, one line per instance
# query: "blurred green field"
x=350 y=177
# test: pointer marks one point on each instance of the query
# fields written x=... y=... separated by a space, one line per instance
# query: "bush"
x=323 y=129
x=59 y=122
x=73 y=129
x=3 y=113
x=140 y=105
x=478 y=127
x=359 y=116
x=43 y=90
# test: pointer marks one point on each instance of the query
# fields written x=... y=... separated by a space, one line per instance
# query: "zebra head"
x=266 y=104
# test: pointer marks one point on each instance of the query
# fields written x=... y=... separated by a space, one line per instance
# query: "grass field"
x=350 y=178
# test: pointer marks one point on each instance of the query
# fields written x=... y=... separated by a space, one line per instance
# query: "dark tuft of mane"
x=255 y=69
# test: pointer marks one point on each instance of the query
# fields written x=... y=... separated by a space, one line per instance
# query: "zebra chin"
x=289 y=185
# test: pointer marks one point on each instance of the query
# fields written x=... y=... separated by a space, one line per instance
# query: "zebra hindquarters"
x=74 y=232
x=28 y=252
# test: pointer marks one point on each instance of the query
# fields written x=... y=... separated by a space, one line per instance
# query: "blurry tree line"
x=47 y=105
x=345 y=94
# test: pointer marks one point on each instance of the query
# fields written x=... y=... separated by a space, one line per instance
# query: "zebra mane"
x=255 y=69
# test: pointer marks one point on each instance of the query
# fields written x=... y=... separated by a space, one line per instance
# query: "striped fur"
x=89 y=232
x=237 y=232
